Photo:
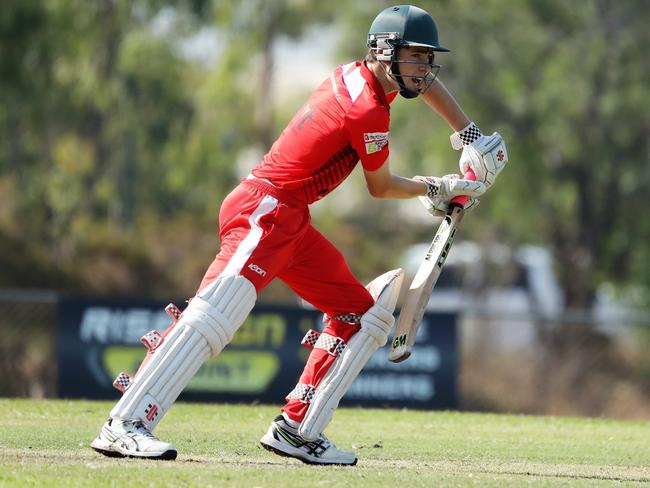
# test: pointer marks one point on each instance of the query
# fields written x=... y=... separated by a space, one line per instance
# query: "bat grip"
x=461 y=200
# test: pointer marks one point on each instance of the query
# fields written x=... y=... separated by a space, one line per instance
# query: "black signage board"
x=99 y=338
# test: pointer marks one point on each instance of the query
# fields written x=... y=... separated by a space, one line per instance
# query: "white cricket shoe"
x=284 y=440
x=122 y=438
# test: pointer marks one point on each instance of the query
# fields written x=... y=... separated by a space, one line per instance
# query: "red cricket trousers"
x=266 y=233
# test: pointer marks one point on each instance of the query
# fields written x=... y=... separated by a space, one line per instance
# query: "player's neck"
x=387 y=83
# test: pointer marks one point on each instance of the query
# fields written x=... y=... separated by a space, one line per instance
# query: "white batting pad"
x=375 y=326
x=204 y=329
x=385 y=289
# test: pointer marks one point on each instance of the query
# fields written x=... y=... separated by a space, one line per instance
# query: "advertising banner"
x=97 y=339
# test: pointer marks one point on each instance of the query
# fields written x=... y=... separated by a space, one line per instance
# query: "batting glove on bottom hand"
x=440 y=191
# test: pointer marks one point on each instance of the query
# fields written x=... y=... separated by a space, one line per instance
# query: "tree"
x=566 y=88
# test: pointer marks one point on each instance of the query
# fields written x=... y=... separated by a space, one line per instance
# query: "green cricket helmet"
x=404 y=26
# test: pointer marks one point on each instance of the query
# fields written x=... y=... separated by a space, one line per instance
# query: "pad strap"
x=152 y=340
x=348 y=318
x=302 y=392
x=174 y=312
x=316 y=340
x=122 y=382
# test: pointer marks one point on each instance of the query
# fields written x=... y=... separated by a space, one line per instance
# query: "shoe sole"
x=279 y=452
x=108 y=452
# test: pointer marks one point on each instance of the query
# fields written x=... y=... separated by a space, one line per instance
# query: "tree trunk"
x=270 y=12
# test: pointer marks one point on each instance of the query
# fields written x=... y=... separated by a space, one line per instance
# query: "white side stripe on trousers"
x=250 y=242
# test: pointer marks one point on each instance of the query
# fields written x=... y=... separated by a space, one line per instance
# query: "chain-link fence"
x=523 y=364
x=28 y=343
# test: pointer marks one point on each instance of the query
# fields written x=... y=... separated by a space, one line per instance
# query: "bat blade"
x=418 y=293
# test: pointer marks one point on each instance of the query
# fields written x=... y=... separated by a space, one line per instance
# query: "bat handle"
x=461 y=200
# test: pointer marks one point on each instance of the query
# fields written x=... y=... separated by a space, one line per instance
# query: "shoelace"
x=326 y=443
x=142 y=430
x=322 y=439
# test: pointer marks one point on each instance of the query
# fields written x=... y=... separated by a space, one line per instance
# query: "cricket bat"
x=425 y=279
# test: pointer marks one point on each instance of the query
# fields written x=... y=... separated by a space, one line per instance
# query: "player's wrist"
x=429 y=187
x=466 y=136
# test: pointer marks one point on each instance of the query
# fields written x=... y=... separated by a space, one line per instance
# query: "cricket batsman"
x=266 y=233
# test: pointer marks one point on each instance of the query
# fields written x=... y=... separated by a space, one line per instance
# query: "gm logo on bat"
x=399 y=341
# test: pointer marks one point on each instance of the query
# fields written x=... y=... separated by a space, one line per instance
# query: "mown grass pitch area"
x=46 y=443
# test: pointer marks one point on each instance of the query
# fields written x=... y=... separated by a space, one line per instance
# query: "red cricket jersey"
x=345 y=120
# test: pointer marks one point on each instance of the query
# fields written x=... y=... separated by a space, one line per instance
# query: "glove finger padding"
x=486 y=156
x=439 y=209
x=443 y=190
x=458 y=186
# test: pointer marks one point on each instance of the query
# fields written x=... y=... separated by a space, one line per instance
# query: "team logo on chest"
x=375 y=141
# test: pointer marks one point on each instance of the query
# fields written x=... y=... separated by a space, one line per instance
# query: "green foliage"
x=106 y=122
x=565 y=87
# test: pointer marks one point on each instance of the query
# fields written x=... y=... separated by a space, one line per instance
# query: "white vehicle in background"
x=493 y=280
x=515 y=291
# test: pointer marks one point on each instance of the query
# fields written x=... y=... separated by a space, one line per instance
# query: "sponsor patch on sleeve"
x=375 y=141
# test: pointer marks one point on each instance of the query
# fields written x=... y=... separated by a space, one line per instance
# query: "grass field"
x=46 y=443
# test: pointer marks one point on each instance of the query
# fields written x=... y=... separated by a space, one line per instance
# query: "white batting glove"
x=440 y=191
x=486 y=156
